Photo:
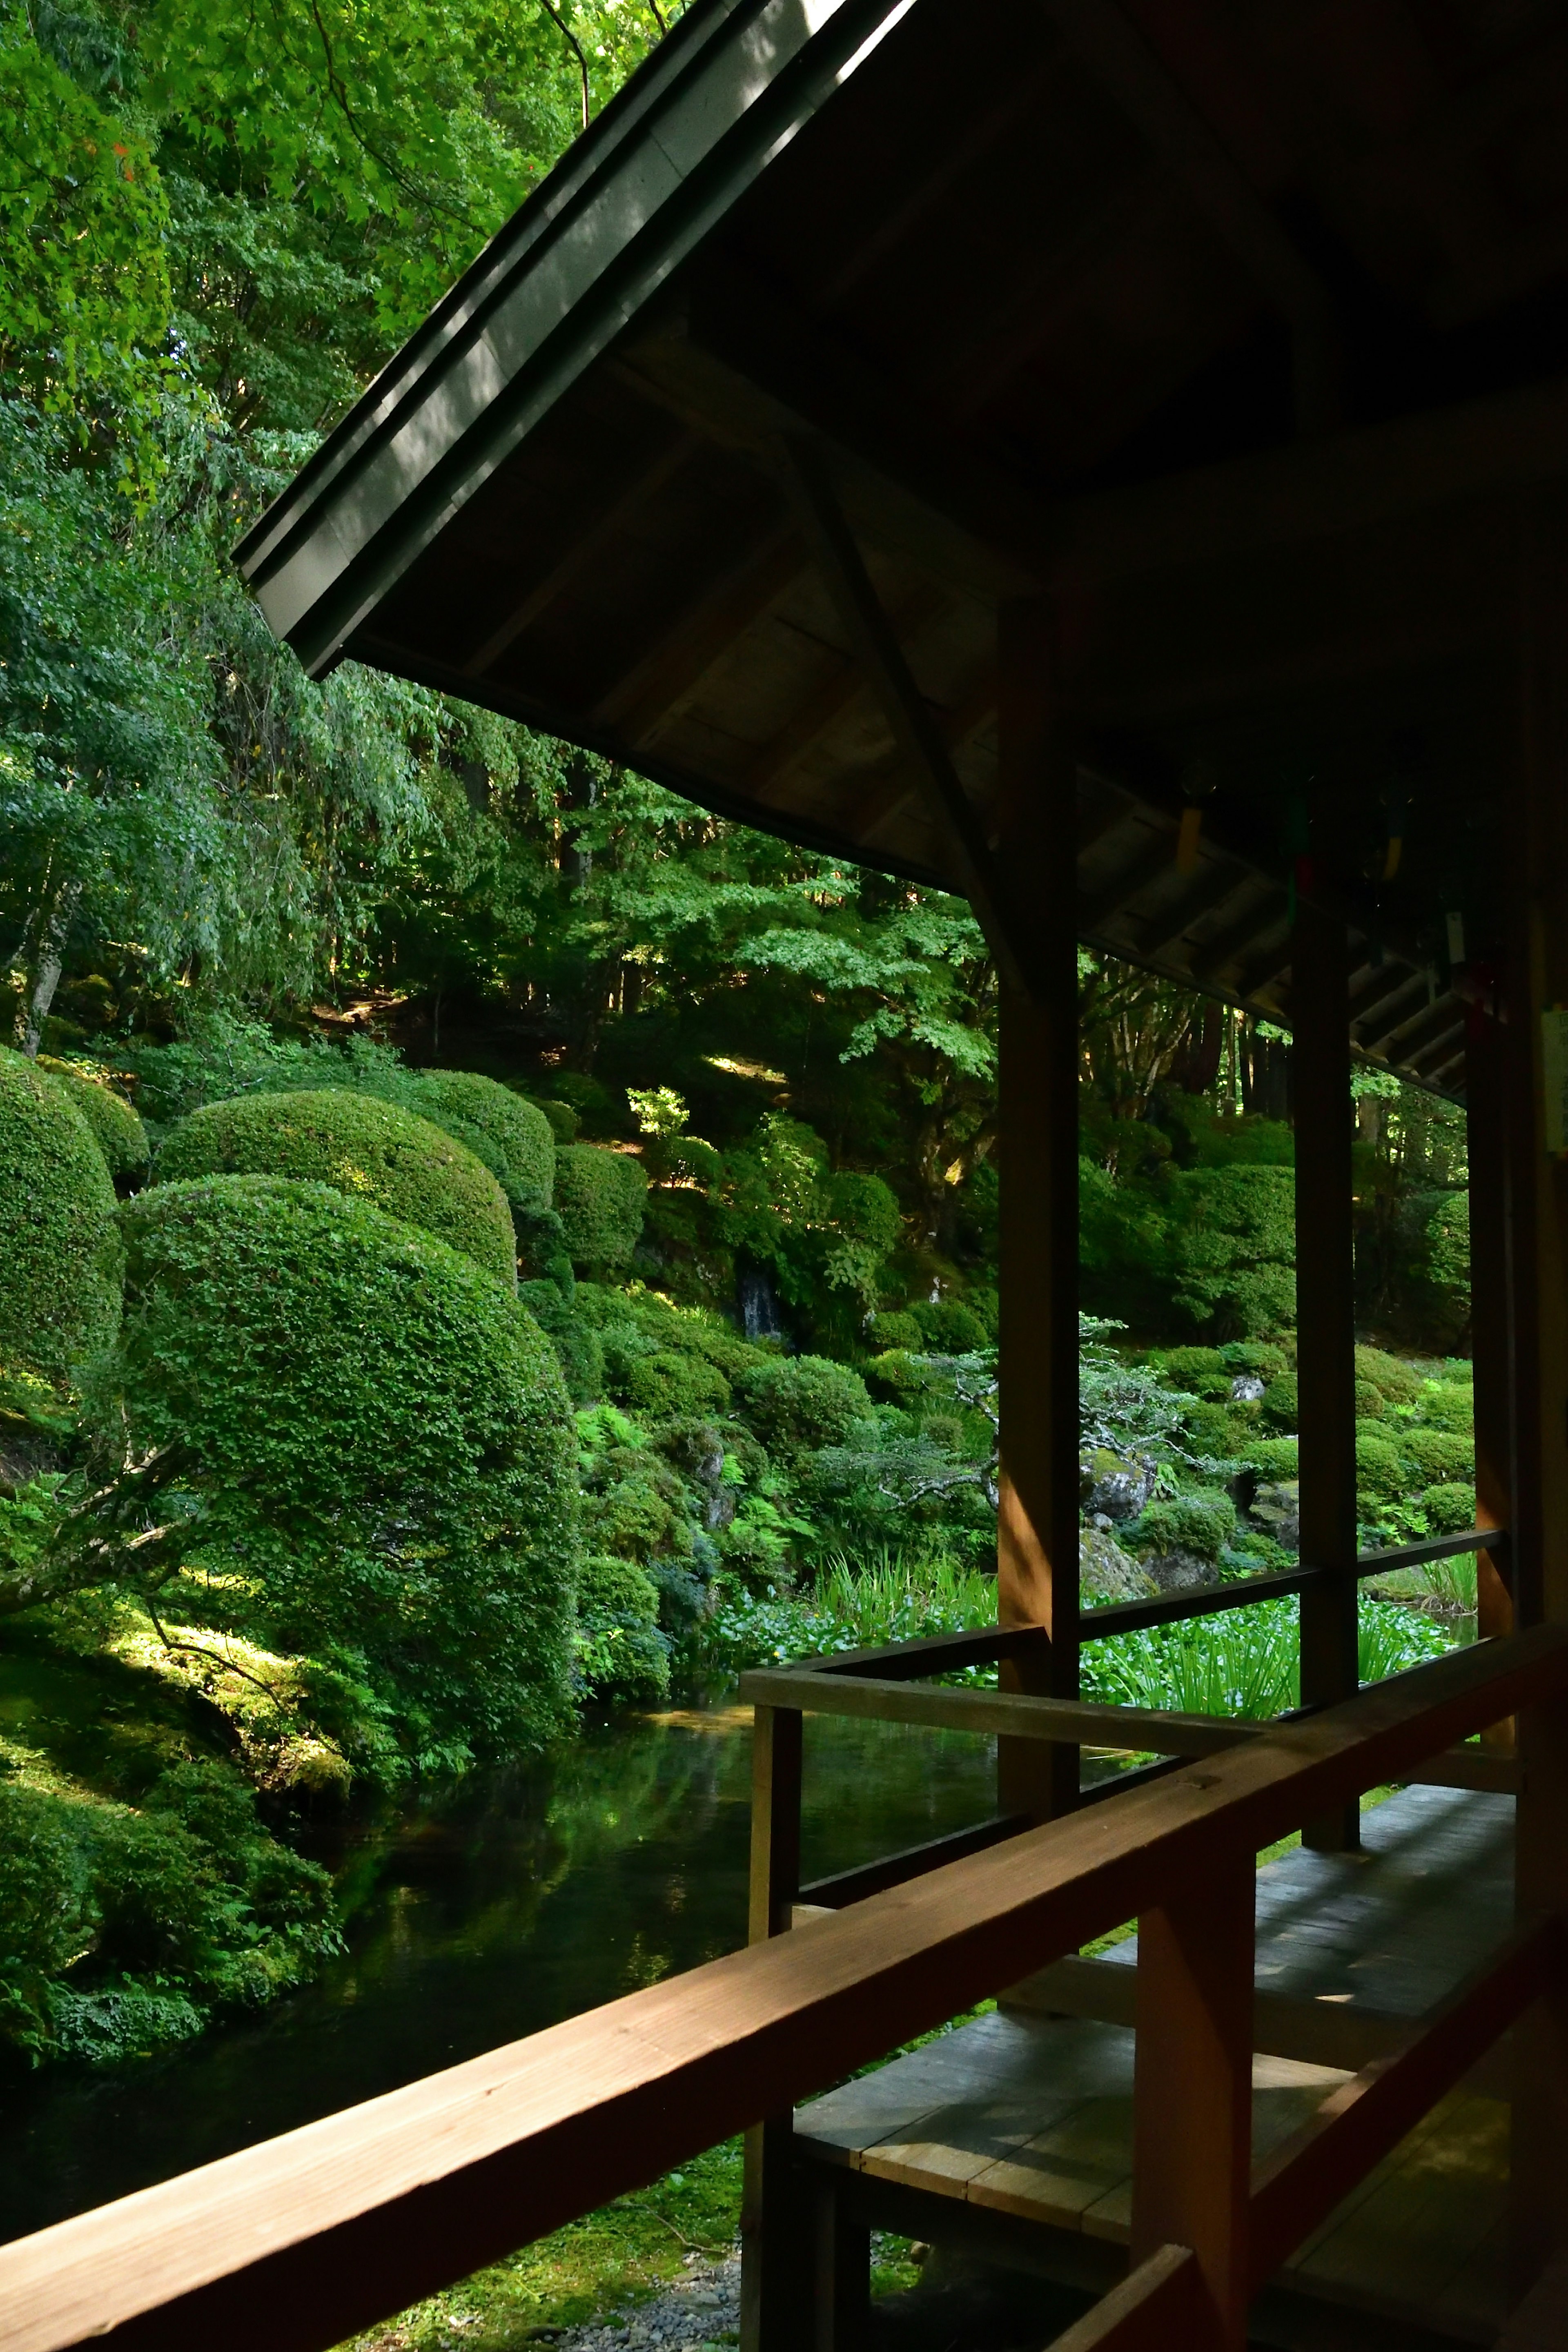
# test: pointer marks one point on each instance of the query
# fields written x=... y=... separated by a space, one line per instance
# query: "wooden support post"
x=1038 y=1515
x=1191 y=2125
x=1535 y=891
x=1486 y=1125
x=1325 y=1324
x=843 y=2263
x=775 y=2266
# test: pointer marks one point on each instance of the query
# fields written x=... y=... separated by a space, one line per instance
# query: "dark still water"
x=479 y=1913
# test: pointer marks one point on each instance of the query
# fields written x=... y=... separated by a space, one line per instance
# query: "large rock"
x=1116 y=1485
x=1277 y=1510
x=1106 y=1572
x=1245 y=1389
x=1179 y=1571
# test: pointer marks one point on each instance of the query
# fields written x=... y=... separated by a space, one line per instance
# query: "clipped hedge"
x=119 y=1132
x=518 y=1133
x=599 y=1198
x=59 y=1289
x=798 y=1404
x=379 y=1441
x=368 y=1150
x=622 y=1657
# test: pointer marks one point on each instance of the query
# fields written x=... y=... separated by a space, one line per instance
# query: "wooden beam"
x=1000 y=1714
x=1393 y=1017
x=817 y=715
x=774 y=2301
x=1325 y=1323
x=1116 y=53
x=1209 y=1600
x=1018 y=956
x=1156 y=858
x=1157 y=2307
x=1221 y=882
x=1254 y=925
x=674 y=666
x=1298 y=2185
x=1192 y=2091
x=297 y=2243
x=590 y=540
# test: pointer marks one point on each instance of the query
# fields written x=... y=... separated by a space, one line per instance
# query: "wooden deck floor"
x=1028 y=2113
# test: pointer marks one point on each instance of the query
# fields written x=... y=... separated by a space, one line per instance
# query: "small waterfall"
x=758 y=1303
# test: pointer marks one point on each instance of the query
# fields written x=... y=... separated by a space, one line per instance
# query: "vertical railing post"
x=1037 y=1514
x=1325 y=1324
x=1192 y=2128
x=1491 y=1273
x=776 y=2257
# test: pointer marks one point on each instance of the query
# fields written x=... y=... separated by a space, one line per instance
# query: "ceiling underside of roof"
x=1230 y=331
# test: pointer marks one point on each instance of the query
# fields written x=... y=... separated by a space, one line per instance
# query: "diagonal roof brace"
x=866 y=623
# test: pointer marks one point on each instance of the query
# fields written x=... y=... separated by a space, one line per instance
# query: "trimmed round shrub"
x=1274 y=1458
x=561 y=1120
x=1280 y=1403
x=1450 y=1509
x=667 y=1382
x=1379 y=1471
x=59 y=1288
x=798 y=1404
x=1396 y=1382
x=895 y=1331
x=599 y=1198
x=1254 y=1356
x=1446 y=1404
x=1439 y=1455
x=1202 y=1524
x=1186 y=1368
x=365 y=1149
x=379 y=1444
x=1210 y=1430
x=515 y=1130
x=950 y=1327
x=119 y=1132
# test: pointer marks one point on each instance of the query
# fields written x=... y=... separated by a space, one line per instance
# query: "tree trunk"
x=40 y=960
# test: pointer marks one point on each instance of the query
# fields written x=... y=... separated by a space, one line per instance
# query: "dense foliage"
x=367 y=1150
x=116 y=1129
x=59 y=1292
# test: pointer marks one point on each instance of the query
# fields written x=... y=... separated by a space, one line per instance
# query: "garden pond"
x=477 y=1912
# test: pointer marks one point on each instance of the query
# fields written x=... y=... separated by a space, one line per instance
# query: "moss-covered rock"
x=517 y=1132
x=599 y=1198
x=59 y=1288
x=121 y=1136
x=367 y=1150
x=379 y=1442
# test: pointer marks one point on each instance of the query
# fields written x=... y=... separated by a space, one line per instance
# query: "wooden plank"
x=929 y=1654
x=1540 y=2323
x=773 y=2298
x=1325 y=1320
x=1192 y=2090
x=1209 y=1600
x=1416 y=1555
x=1300 y=2185
x=293 y=2245
x=1006 y=1714
x=1038 y=1532
x=865 y=623
x=1156 y=2308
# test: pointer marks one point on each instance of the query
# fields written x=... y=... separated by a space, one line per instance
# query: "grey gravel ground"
x=700 y=2311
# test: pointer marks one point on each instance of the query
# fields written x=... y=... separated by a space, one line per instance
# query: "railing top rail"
x=290 y=2246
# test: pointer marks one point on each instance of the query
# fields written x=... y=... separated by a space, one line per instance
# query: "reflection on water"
x=482 y=1912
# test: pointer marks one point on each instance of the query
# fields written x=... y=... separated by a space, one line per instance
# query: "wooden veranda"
x=1108 y=458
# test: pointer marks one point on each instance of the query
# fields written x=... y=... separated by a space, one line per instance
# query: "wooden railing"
x=292 y=2245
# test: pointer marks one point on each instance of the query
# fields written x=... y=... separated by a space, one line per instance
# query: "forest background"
x=218 y=879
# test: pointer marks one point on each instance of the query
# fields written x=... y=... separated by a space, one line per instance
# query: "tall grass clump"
x=1244 y=1661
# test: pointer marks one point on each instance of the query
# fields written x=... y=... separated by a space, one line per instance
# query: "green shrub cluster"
x=510 y=1134
x=599 y=1198
x=622 y=1657
x=376 y=1441
x=1202 y=1523
x=59 y=1288
x=799 y=1403
x=367 y=1150
x=121 y=1137
x=122 y=1927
